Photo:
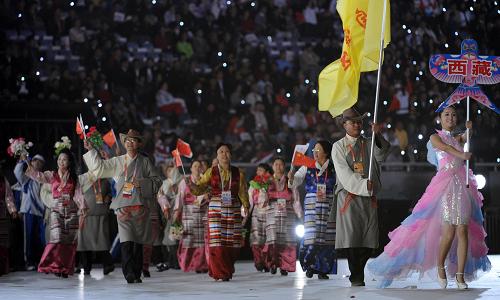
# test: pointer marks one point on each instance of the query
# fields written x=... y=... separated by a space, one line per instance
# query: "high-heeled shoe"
x=461 y=285
x=443 y=282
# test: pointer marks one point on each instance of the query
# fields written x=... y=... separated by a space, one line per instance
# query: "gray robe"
x=356 y=213
x=94 y=235
x=134 y=223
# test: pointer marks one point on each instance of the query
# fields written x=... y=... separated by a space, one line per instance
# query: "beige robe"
x=356 y=213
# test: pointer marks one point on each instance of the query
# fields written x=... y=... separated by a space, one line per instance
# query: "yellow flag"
x=339 y=81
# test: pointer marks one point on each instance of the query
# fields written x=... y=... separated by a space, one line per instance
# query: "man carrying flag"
x=356 y=211
x=136 y=182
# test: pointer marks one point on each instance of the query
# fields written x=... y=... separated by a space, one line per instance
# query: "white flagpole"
x=467 y=144
x=83 y=127
x=382 y=33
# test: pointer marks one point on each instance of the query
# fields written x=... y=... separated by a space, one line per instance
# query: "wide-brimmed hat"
x=131 y=134
x=352 y=114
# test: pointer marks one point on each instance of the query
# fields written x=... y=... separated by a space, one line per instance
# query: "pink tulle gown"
x=414 y=245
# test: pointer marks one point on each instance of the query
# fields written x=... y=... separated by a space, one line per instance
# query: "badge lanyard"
x=125 y=170
x=361 y=154
x=222 y=179
x=99 y=185
x=326 y=176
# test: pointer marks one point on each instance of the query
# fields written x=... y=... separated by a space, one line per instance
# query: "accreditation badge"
x=358 y=167
x=281 y=204
x=321 y=191
x=226 y=197
x=128 y=189
x=99 y=198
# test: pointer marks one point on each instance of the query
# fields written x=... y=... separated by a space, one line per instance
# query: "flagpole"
x=467 y=144
x=182 y=165
x=377 y=92
x=83 y=127
x=117 y=147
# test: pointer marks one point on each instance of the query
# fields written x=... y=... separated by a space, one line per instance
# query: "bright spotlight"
x=299 y=231
x=481 y=181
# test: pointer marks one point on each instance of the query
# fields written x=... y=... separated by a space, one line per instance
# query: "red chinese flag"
x=301 y=159
x=177 y=157
x=184 y=148
x=79 y=129
x=109 y=138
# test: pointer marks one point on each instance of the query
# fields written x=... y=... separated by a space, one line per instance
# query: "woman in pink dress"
x=59 y=254
x=444 y=235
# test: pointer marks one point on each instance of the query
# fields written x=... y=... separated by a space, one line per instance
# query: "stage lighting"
x=103 y=119
x=85 y=100
x=420 y=136
x=41 y=58
x=99 y=105
x=224 y=65
x=389 y=125
x=403 y=152
x=299 y=231
x=306 y=81
x=314 y=91
x=86 y=127
x=478 y=111
x=415 y=151
x=199 y=91
x=181 y=23
x=481 y=181
x=397 y=66
x=385 y=102
x=37 y=73
x=446 y=45
x=278 y=150
x=288 y=95
x=242 y=101
x=219 y=54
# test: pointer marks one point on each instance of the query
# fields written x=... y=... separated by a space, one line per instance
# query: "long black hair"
x=72 y=164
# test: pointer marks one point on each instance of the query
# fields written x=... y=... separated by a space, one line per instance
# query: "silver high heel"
x=461 y=285
x=443 y=282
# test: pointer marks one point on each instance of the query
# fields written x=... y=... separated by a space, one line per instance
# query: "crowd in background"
x=243 y=72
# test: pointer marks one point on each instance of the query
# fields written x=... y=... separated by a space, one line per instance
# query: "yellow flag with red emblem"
x=362 y=24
